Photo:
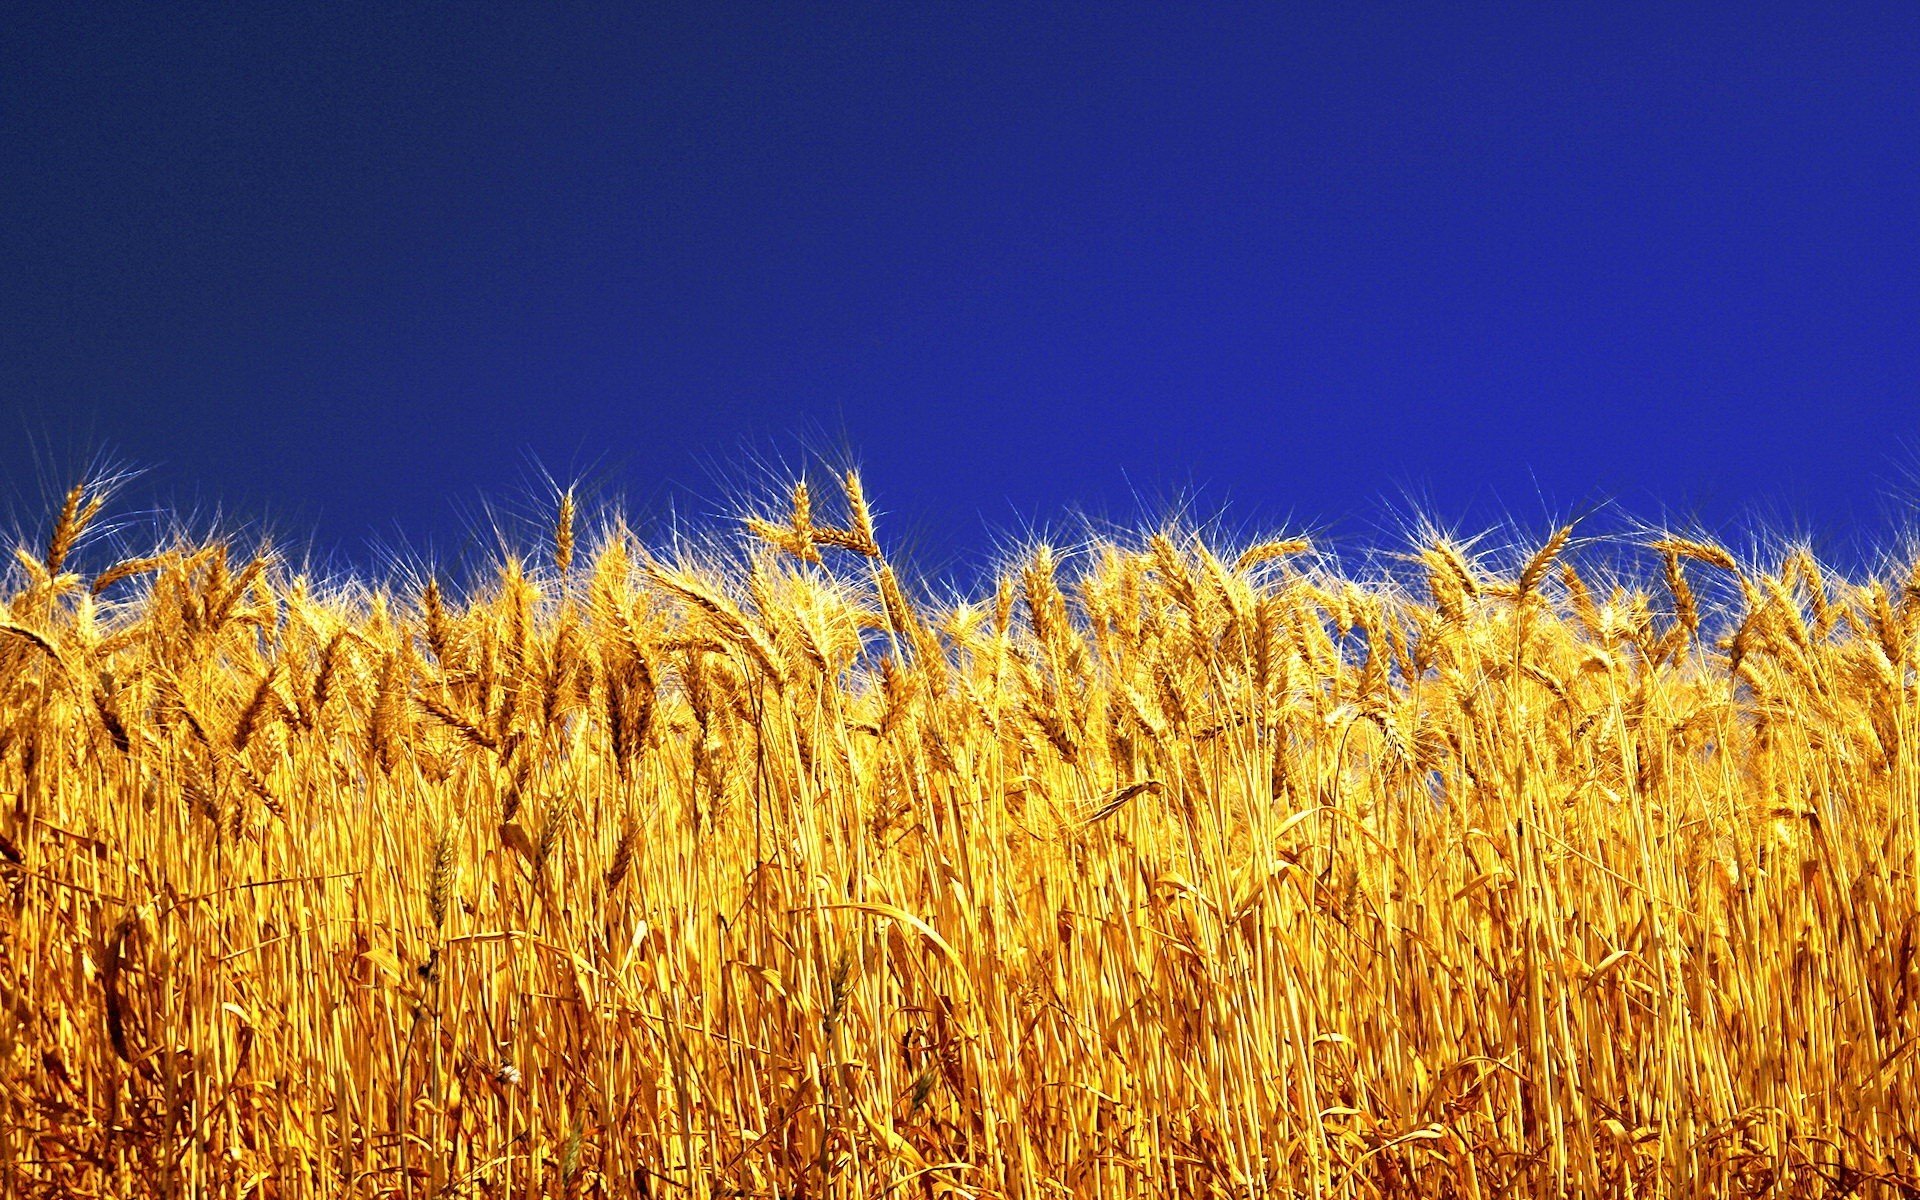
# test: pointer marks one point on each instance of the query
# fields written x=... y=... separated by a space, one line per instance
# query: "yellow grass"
x=1168 y=868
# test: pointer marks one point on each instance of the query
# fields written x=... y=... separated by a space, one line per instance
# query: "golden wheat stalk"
x=1132 y=874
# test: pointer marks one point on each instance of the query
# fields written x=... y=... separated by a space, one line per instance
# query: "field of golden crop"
x=1167 y=868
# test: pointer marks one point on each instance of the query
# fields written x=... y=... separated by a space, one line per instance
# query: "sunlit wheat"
x=1165 y=868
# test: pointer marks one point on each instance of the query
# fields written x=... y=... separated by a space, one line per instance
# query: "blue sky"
x=350 y=267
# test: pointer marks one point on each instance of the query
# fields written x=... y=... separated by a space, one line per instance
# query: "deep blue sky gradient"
x=349 y=266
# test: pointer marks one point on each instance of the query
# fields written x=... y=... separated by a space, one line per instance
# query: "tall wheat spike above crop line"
x=1171 y=868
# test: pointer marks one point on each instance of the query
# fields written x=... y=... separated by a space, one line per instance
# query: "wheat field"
x=1166 y=867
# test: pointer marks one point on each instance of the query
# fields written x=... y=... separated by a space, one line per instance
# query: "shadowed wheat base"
x=1181 y=872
